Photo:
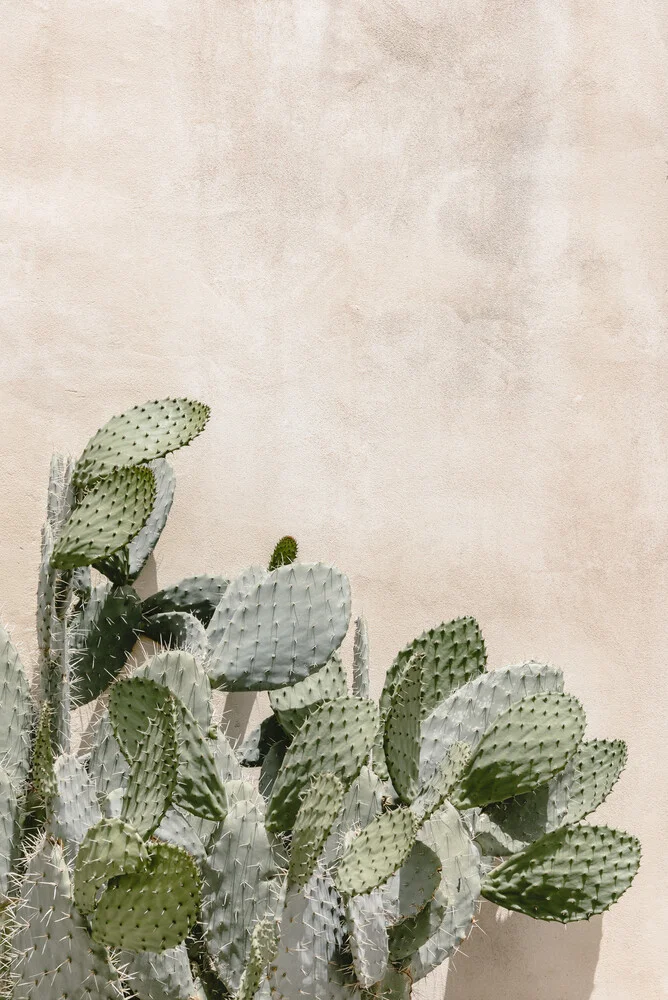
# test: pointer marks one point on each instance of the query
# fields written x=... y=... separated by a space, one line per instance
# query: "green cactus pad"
x=54 y=956
x=231 y=600
x=241 y=879
x=311 y=931
x=361 y=659
x=396 y=985
x=143 y=544
x=379 y=851
x=444 y=923
x=285 y=552
x=570 y=874
x=367 y=937
x=436 y=790
x=175 y=828
x=292 y=704
x=319 y=808
x=411 y=888
x=271 y=766
x=108 y=517
x=43 y=758
x=133 y=703
x=196 y=595
x=336 y=738
x=107 y=765
x=9 y=832
x=284 y=629
x=75 y=808
x=108 y=849
x=166 y=976
x=16 y=712
x=140 y=435
x=152 y=908
x=401 y=744
x=199 y=789
x=263 y=948
x=361 y=804
x=471 y=709
x=527 y=744
x=178 y=630
x=151 y=783
x=104 y=637
x=185 y=678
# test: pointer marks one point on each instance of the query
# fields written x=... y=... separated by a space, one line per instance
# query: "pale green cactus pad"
x=108 y=849
x=154 y=907
x=197 y=595
x=284 y=629
x=411 y=888
x=263 y=948
x=9 y=832
x=527 y=744
x=54 y=956
x=231 y=600
x=140 y=435
x=199 y=789
x=75 y=808
x=379 y=851
x=153 y=772
x=319 y=808
x=108 y=517
x=361 y=659
x=164 y=976
x=292 y=704
x=439 y=786
x=336 y=739
x=143 y=544
x=402 y=732
x=16 y=712
x=186 y=678
x=367 y=937
x=570 y=874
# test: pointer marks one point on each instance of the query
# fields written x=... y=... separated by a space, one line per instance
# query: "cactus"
x=352 y=861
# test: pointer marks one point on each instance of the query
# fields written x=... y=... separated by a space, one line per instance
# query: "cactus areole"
x=342 y=850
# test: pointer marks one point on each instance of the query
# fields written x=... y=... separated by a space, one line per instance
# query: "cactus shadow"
x=512 y=957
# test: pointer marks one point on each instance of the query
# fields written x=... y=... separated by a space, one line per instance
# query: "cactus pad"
x=285 y=552
x=166 y=976
x=367 y=936
x=185 y=677
x=108 y=849
x=9 y=832
x=523 y=748
x=570 y=874
x=105 y=635
x=284 y=629
x=379 y=851
x=152 y=908
x=231 y=600
x=411 y=888
x=402 y=732
x=336 y=738
x=153 y=773
x=133 y=703
x=143 y=544
x=437 y=789
x=16 y=712
x=361 y=659
x=292 y=704
x=75 y=807
x=199 y=789
x=263 y=948
x=54 y=956
x=317 y=812
x=197 y=595
x=140 y=435
x=108 y=517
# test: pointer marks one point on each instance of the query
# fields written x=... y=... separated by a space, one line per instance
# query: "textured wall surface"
x=414 y=254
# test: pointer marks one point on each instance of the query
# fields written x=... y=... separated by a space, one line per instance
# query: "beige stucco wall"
x=414 y=255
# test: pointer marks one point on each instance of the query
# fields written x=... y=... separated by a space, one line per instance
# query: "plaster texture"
x=414 y=255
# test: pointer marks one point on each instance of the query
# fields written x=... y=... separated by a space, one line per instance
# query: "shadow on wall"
x=512 y=957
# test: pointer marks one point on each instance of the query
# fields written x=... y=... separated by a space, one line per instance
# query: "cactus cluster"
x=341 y=851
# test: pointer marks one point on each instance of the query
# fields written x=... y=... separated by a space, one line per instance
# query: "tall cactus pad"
x=361 y=804
x=154 y=907
x=140 y=435
x=109 y=848
x=241 y=877
x=197 y=595
x=133 y=704
x=16 y=712
x=54 y=956
x=589 y=777
x=285 y=552
x=153 y=773
x=335 y=739
x=43 y=758
x=283 y=630
x=263 y=948
x=470 y=710
x=143 y=544
x=109 y=628
x=292 y=704
x=9 y=834
x=523 y=748
x=570 y=874
x=231 y=600
x=199 y=789
x=108 y=517
x=367 y=935
x=320 y=807
x=166 y=976
x=361 y=659
x=75 y=808
x=402 y=732
x=379 y=851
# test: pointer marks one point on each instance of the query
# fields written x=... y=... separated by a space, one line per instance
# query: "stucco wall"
x=414 y=255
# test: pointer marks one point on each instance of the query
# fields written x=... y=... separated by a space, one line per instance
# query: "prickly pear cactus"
x=342 y=851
